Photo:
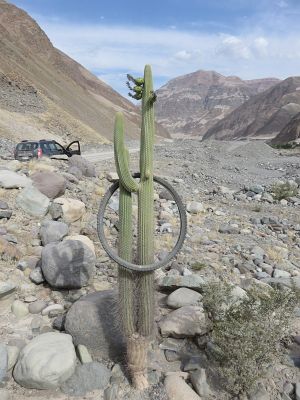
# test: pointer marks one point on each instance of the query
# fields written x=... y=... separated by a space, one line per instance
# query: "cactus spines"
x=136 y=290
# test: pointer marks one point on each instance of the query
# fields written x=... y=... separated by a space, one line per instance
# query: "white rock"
x=13 y=354
x=53 y=307
x=5 y=395
x=33 y=202
x=84 y=239
x=279 y=273
x=283 y=202
x=12 y=180
x=14 y=165
x=183 y=297
x=46 y=362
x=195 y=207
x=112 y=176
x=72 y=209
x=83 y=354
x=178 y=389
x=185 y=321
x=20 y=309
x=199 y=382
x=220 y=213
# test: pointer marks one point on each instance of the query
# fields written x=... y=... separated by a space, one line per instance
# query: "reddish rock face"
x=191 y=104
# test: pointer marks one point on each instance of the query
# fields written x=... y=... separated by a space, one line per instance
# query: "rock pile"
x=60 y=328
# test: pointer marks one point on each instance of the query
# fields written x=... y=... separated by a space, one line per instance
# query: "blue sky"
x=250 y=39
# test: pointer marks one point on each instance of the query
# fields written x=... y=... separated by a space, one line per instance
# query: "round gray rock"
x=186 y=321
x=32 y=201
x=12 y=180
x=46 y=362
x=49 y=183
x=91 y=322
x=86 y=167
x=183 y=297
x=87 y=377
x=53 y=231
x=68 y=265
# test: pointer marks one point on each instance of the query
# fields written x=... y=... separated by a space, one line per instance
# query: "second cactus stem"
x=136 y=289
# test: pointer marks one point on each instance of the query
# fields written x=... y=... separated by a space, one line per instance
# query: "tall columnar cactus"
x=136 y=288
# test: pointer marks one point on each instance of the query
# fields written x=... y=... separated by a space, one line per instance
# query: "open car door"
x=74 y=148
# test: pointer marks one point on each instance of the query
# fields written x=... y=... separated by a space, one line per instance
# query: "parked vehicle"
x=28 y=149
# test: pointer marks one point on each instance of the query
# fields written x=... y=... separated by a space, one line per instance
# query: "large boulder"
x=53 y=231
x=93 y=321
x=86 y=167
x=72 y=209
x=186 y=321
x=12 y=180
x=183 y=297
x=32 y=201
x=87 y=377
x=46 y=362
x=178 y=389
x=68 y=265
x=49 y=183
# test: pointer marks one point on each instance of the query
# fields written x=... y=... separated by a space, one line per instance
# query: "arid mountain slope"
x=45 y=92
x=263 y=115
x=290 y=133
x=191 y=104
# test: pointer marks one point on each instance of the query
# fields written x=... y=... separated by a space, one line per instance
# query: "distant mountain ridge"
x=192 y=103
x=263 y=115
x=44 y=92
x=289 y=133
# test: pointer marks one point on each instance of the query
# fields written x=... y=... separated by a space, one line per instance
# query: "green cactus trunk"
x=136 y=290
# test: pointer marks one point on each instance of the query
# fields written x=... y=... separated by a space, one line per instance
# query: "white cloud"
x=282 y=4
x=261 y=46
x=234 y=47
x=112 y=51
x=183 y=55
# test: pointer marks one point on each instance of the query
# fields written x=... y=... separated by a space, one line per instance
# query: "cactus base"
x=137 y=347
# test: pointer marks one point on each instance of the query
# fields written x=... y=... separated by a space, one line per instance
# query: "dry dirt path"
x=101 y=156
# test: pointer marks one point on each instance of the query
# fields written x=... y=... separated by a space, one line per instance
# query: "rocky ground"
x=58 y=329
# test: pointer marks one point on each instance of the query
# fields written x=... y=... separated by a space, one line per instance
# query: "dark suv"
x=28 y=149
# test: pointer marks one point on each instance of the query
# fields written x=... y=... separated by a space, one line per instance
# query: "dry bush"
x=284 y=190
x=246 y=335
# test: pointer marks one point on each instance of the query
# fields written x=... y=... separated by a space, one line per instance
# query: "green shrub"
x=246 y=334
x=284 y=190
x=198 y=266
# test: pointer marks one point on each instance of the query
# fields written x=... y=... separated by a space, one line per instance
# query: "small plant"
x=284 y=190
x=285 y=146
x=198 y=266
x=257 y=208
x=246 y=334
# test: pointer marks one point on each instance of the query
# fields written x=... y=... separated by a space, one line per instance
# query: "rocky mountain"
x=45 y=92
x=290 y=133
x=191 y=104
x=264 y=115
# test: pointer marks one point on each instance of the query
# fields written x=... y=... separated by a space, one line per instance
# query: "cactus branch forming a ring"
x=136 y=289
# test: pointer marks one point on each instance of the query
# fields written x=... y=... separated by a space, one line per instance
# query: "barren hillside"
x=45 y=92
x=264 y=115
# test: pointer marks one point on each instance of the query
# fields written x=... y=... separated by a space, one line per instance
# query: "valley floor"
x=237 y=231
